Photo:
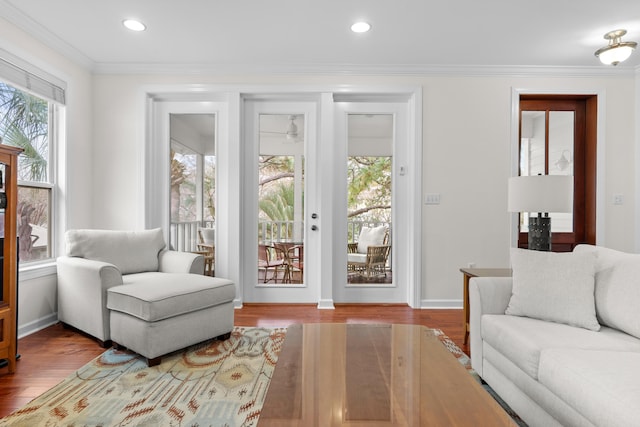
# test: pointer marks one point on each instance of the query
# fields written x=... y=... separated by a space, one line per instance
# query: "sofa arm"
x=487 y=295
x=180 y=262
x=82 y=294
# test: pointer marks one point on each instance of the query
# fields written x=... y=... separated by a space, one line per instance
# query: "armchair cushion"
x=371 y=237
x=129 y=251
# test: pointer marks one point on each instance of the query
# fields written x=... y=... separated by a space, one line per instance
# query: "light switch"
x=432 y=199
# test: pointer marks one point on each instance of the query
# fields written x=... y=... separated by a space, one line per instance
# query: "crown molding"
x=367 y=70
x=359 y=69
x=15 y=16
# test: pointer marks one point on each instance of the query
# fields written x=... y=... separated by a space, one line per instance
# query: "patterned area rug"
x=217 y=383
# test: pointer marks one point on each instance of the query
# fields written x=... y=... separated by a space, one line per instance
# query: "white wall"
x=37 y=292
x=467 y=154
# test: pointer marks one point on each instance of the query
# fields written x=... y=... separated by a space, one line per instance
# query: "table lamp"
x=542 y=194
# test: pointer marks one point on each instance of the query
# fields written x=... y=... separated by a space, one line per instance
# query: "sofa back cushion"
x=617 y=291
x=129 y=251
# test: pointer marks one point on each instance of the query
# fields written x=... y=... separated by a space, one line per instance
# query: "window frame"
x=50 y=185
x=585 y=164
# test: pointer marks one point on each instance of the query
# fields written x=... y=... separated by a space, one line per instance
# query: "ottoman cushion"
x=155 y=296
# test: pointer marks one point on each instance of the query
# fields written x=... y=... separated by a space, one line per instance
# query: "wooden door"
x=576 y=156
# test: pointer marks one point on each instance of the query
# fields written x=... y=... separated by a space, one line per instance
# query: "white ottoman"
x=155 y=314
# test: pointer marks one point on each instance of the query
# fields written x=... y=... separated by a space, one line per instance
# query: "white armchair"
x=132 y=277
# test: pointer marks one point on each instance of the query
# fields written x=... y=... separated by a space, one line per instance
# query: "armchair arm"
x=180 y=262
x=82 y=292
x=487 y=295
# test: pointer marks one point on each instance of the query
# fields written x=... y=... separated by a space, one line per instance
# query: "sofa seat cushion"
x=602 y=385
x=156 y=296
x=522 y=339
x=357 y=258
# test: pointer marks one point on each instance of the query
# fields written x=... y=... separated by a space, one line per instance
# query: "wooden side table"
x=468 y=273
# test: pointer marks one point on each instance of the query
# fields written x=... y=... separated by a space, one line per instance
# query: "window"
x=193 y=185
x=26 y=122
x=558 y=137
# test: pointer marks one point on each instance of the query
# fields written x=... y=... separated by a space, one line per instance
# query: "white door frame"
x=402 y=174
x=253 y=291
x=230 y=149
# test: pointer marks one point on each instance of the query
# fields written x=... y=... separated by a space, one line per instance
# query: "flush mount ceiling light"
x=134 y=25
x=617 y=50
x=361 y=27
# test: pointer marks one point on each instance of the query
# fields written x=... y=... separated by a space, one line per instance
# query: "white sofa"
x=125 y=287
x=560 y=340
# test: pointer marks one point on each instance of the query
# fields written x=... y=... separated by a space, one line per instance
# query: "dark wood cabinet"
x=8 y=254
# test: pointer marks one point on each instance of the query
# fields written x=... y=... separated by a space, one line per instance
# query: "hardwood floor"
x=50 y=355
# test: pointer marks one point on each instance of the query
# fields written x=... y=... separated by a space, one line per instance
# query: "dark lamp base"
x=540 y=233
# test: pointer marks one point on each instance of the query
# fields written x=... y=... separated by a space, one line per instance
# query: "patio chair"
x=206 y=247
x=272 y=258
x=369 y=255
x=295 y=262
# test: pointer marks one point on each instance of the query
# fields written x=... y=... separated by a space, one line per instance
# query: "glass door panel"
x=280 y=193
x=546 y=148
x=561 y=136
x=193 y=185
x=369 y=198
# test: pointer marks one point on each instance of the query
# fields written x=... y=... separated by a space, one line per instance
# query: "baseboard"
x=326 y=304
x=441 y=303
x=37 y=325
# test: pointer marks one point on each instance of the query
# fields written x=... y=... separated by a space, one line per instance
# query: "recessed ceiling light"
x=360 y=27
x=134 y=25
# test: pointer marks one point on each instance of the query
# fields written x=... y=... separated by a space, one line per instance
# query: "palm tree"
x=277 y=206
x=24 y=123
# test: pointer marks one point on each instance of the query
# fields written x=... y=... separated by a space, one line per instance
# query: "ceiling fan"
x=291 y=132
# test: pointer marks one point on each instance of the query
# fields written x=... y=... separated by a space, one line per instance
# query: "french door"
x=286 y=203
x=280 y=231
x=314 y=185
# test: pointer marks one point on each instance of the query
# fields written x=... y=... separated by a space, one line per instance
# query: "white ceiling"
x=289 y=35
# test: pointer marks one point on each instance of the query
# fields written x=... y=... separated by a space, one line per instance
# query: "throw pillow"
x=371 y=237
x=556 y=287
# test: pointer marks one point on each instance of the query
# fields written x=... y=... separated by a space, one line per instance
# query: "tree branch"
x=272 y=178
x=367 y=209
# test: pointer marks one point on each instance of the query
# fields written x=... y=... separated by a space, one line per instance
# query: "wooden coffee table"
x=373 y=375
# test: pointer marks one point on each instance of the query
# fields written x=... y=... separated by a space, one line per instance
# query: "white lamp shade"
x=541 y=193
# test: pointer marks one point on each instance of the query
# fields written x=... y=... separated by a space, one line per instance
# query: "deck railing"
x=184 y=235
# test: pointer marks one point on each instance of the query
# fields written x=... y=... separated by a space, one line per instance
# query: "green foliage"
x=277 y=204
x=24 y=123
x=369 y=189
